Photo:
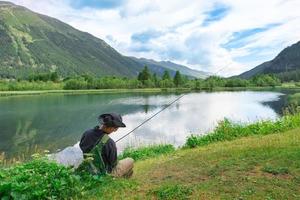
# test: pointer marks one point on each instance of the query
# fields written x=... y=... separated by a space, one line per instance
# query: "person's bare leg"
x=123 y=168
x=129 y=174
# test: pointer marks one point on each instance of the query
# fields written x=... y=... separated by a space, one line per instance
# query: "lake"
x=56 y=121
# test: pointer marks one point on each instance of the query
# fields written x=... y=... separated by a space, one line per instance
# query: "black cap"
x=111 y=120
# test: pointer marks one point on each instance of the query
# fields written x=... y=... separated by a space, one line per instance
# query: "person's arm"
x=86 y=143
x=110 y=153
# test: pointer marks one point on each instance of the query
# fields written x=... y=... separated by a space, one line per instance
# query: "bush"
x=265 y=80
x=38 y=179
x=75 y=84
x=237 y=82
x=26 y=85
x=166 y=83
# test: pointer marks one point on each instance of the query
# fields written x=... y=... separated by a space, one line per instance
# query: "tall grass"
x=147 y=152
x=227 y=130
x=294 y=99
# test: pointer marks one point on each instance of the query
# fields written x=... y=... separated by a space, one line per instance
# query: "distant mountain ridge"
x=34 y=43
x=286 y=65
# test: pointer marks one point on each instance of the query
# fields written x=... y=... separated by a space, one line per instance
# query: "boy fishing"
x=100 y=151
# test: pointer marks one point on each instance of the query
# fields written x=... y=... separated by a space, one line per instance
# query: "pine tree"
x=154 y=79
x=144 y=75
x=166 y=75
x=177 y=79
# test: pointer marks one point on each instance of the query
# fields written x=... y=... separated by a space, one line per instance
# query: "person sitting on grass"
x=100 y=151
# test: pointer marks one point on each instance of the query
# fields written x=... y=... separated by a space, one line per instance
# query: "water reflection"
x=57 y=121
x=196 y=113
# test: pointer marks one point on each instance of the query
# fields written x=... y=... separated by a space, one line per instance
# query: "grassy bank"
x=226 y=130
x=294 y=99
x=99 y=91
x=256 y=161
x=255 y=167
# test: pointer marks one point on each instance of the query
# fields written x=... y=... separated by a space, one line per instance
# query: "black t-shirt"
x=89 y=140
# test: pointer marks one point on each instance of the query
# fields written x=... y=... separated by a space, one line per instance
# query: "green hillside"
x=286 y=65
x=35 y=43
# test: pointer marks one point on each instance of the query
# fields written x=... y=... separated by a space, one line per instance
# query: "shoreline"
x=146 y=90
x=91 y=91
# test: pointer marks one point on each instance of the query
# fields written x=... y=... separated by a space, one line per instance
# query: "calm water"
x=54 y=122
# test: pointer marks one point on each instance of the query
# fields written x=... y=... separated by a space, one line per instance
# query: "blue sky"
x=204 y=35
x=102 y=4
x=239 y=39
x=217 y=13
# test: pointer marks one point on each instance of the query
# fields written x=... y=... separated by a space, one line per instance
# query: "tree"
x=155 y=80
x=214 y=81
x=166 y=75
x=265 y=80
x=144 y=75
x=75 y=84
x=177 y=79
x=54 y=77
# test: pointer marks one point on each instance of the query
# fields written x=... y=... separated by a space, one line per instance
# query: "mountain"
x=158 y=66
x=33 y=43
x=286 y=65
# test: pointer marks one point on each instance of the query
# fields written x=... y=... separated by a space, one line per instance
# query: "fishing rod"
x=144 y=122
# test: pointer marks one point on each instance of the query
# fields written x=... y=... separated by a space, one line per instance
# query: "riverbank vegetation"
x=294 y=99
x=145 y=79
x=227 y=130
x=207 y=167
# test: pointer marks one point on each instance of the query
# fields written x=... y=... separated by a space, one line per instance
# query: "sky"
x=223 y=37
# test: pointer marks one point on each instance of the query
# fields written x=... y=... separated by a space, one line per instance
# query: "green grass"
x=227 y=130
x=254 y=167
x=290 y=85
x=170 y=192
x=294 y=99
x=276 y=170
x=98 y=91
x=258 y=164
x=143 y=153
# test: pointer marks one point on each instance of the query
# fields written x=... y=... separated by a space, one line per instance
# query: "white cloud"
x=185 y=38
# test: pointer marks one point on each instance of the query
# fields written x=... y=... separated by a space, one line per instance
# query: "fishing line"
x=144 y=122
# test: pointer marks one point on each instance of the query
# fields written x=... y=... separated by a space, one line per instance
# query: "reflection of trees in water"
x=24 y=133
x=54 y=122
x=278 y=106
x=146 y=104
x=22 y=142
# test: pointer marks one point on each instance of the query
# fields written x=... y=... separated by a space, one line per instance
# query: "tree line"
x=144 y=79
